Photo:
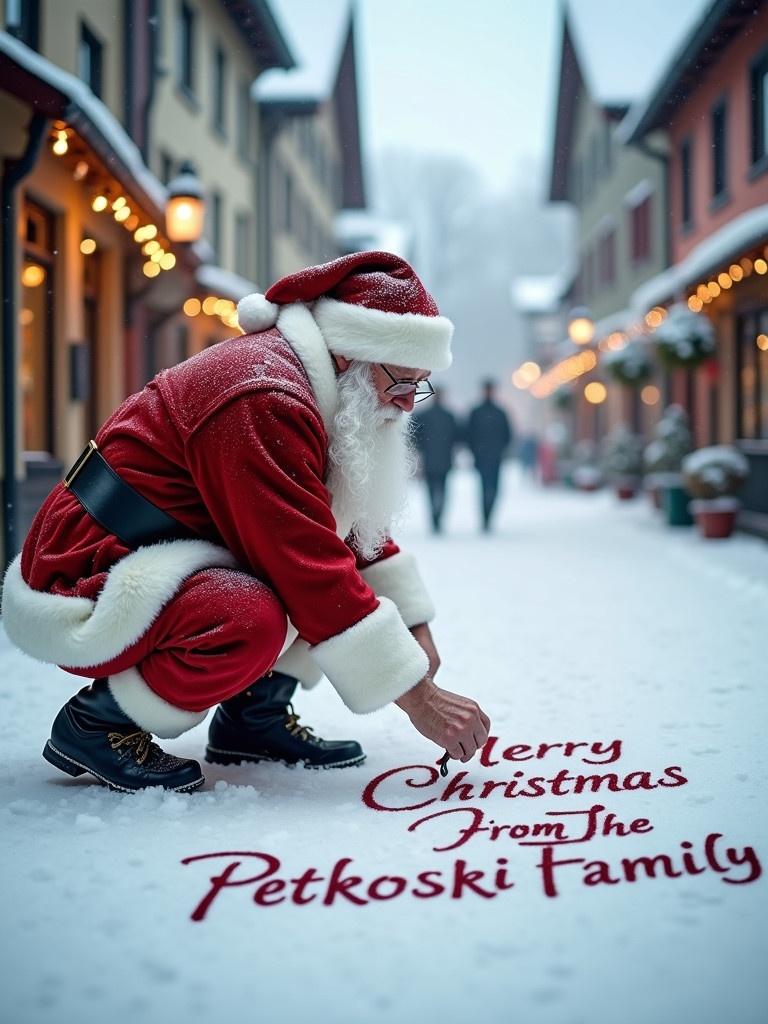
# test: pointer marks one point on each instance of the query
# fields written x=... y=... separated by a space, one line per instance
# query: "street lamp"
x=185 y=210
x=581 y=326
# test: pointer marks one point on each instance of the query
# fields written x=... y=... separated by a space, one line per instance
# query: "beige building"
x=101 y=101
x=310 y=139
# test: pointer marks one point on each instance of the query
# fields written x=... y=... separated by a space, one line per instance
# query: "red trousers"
x=222 y=630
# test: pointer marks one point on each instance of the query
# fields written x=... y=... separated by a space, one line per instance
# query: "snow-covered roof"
x=363 y=231
x=539 y=293
x=119 y=152
x=724 y=245
x=316 y=33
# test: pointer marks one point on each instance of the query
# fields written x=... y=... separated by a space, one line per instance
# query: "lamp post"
x=185 y=210
x=581 y=326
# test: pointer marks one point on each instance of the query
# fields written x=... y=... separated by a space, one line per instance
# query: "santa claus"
x=227 y=534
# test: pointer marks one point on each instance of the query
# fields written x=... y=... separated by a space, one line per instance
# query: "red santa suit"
x=233 y=444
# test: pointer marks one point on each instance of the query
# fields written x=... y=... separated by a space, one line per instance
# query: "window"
x=89 y=59
x=607 y=258
x=640 y=231
x=719 y=151
x=244 y=121
x=759 y=100
x=607 y=145
x=752 y=404
x=167 y=164
x=186 y=48
x=219 y=98
x=686 y=184
x=243 y=244
x=288 y=202
x=22 y=20
x=215 y=223
x=36 y=333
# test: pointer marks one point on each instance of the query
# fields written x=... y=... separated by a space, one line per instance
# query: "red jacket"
x=233 y=443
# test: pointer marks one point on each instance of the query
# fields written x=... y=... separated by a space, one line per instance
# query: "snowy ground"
x=581 y=620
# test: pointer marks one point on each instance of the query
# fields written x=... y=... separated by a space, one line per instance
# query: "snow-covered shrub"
x=622 y=453
x=631 y=365
x=715 y=472
x=684 y=338
x=671 y=443
x=586 y=471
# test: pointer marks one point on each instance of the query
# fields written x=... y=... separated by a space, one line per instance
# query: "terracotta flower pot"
x=716 y=517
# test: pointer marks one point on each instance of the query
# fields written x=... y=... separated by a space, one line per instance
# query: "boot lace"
x=140 y=742
x=295 y=728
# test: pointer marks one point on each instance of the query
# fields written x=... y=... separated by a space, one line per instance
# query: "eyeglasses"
x=420 y=389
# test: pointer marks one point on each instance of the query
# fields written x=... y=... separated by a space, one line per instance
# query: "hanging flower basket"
x=631 y=366
x=684 y=338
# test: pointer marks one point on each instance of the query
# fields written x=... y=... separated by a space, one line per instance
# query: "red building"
x=713 y=103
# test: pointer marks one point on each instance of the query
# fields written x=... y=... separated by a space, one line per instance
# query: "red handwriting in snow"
x=258 y=876
x=450 y=812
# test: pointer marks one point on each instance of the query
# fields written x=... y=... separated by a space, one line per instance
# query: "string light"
x=87 y=246
x=61 y=145
x=761 y=266
x=595 y=392
x=762 y=342
x=99 y=203
x=650 y=395
x=168 y=261
x=192 y=307
x=151 y=269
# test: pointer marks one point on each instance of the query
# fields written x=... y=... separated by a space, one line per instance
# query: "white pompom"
x=256 y=313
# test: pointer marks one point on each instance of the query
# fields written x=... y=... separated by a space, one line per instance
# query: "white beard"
x=370 y=460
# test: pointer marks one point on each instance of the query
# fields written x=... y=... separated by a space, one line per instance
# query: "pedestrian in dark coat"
x=488 y=434
x=435 y=434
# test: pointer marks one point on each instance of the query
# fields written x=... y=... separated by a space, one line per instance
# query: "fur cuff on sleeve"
x=373 y=662
x=397 y=578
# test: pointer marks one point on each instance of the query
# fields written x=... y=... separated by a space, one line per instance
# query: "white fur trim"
x=299 y=663
x=256 y=313
x=373 y=662
x=78 y=632
x=298 y=327
x=148 y=710
x=398 y=578
x=403 y=339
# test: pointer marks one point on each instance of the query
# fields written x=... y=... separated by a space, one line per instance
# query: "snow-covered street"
x=601 y=643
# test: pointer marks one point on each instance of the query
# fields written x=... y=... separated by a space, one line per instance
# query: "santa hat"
x=368 y=305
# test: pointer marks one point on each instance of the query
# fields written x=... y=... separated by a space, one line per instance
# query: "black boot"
x=260 y=724
x=91 y=734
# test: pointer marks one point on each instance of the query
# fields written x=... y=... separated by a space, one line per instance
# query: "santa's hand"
x=453 y=722
x=423 y=635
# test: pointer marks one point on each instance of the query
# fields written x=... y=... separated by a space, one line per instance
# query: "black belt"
x=116 y=506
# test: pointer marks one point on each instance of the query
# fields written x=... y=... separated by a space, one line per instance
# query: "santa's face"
x=382 y=377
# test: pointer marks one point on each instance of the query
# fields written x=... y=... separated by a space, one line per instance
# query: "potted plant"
x=713 y=476
x=684 y=338
x=623 y=461
x=631 y=365
x=663 y=460
x=586 y=473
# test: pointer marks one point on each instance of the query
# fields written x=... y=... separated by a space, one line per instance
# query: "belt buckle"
x=80 y=461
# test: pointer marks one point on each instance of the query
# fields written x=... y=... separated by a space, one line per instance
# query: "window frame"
x=719 y=168
x=90 y=43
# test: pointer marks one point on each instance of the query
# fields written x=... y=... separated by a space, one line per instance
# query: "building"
x=101 y=101
x=712 y=101
x=619 y=195
x=310 y=138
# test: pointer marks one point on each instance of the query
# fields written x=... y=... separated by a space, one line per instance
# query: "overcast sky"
x=478 y=79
